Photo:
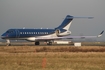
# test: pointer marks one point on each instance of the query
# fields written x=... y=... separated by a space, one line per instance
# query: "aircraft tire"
x=49 y=43
x=37 y=43
x=8 y=44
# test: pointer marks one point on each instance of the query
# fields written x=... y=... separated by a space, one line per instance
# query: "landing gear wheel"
x=49 y=43
x=37 y=43
x=8 y=44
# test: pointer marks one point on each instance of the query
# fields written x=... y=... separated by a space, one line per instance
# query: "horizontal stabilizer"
x=71 y=17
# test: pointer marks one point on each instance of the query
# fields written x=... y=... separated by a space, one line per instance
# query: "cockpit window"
x=10 y=31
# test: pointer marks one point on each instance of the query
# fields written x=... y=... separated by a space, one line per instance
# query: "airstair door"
x=17 y=33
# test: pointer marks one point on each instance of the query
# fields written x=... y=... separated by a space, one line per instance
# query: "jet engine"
x=57 y=32
x=62 y=32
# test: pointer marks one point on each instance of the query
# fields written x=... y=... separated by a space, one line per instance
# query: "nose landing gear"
x=8 y=42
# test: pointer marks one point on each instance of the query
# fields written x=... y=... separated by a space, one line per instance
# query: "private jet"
x=45 y=35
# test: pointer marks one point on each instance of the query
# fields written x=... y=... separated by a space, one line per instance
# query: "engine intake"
x=57 y=32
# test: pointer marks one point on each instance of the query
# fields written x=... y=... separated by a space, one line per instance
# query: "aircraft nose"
x=3 y=36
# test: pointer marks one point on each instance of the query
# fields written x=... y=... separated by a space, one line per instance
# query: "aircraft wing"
x=68 y=37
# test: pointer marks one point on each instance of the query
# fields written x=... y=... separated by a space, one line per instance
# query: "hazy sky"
x=50 y=14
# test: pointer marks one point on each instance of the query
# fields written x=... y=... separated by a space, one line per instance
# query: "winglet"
x=101 y=34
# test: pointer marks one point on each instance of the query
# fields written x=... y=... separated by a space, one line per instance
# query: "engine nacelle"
x=57 y=32
x=62 y=32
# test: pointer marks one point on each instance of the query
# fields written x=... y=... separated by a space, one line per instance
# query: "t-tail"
x=63 y=29
x=67 y=22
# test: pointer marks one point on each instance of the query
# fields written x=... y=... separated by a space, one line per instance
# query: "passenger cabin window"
x=20 y=32
x=29 y=32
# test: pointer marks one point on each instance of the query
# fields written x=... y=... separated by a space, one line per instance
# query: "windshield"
x=10 y=31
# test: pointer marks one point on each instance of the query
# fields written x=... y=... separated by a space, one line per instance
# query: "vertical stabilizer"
x=66 y=23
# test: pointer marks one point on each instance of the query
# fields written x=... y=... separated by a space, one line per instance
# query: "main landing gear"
x=48 y=43
x=37 y=43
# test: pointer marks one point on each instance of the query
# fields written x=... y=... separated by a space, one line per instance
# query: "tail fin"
x=66 y=23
